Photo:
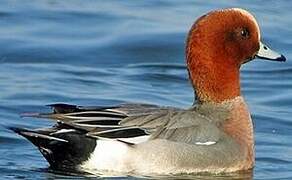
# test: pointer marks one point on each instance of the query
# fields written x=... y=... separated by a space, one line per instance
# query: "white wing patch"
x=62 y=131
x=109 y=155
x=135 y=140
x=207 y=143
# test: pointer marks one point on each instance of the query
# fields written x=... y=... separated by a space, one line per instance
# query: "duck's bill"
x=266 y=53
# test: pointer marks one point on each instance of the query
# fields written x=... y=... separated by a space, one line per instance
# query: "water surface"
x=106 y=52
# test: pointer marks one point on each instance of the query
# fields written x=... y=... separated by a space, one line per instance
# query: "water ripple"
x=108 y=52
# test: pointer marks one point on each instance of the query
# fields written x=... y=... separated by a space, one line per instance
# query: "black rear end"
x=64 y=151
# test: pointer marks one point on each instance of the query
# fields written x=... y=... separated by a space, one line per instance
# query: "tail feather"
x=67 y=112
x=64 y=108
x=69 y=108
x=35 y=137
x=57 y=109
x=61 y=150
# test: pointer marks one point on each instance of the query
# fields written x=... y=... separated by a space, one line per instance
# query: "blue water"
x=106 y=52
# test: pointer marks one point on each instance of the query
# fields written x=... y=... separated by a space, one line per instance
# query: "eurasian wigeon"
x=214 y=135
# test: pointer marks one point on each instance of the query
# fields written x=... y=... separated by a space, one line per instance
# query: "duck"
x=213 y=135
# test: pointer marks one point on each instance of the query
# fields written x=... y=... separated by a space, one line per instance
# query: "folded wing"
x=198 y=124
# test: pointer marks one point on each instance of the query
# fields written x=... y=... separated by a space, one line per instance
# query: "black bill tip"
x=282 y=58
x=279 y=58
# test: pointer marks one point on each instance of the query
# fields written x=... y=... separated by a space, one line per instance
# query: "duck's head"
x=218 y=43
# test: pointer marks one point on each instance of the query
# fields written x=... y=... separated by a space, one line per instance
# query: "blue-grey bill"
x=266 y=53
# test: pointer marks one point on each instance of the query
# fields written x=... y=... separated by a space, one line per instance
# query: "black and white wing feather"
x=103 y=122
x=135 y=120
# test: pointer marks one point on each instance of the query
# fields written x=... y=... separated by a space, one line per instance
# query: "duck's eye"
x=244 y=33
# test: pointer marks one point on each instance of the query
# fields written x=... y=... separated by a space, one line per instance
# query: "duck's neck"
x=222 y=87
x=240 y=127
x=216 y=83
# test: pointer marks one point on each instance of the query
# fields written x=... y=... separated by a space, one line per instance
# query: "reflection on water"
x=107 y=52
